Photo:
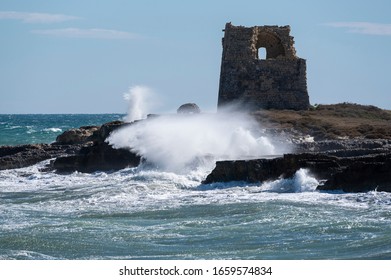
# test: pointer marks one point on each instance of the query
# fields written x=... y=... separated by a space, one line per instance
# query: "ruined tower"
x=277 y=81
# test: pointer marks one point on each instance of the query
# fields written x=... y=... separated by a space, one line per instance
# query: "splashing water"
x=140 y=100
x=176 y=142
x=301 y=182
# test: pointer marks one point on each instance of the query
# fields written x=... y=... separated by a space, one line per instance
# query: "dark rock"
x=189 y=108
x=100 y=135
x=350 y=174
x=99 y=157
x=362 y=174
x=76 y=136
x=25 y=155
x=85 y=134
x=259 y=170
x=347 y=147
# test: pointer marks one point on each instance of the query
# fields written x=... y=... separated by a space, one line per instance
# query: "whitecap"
x=52 y=129
x=13 y=127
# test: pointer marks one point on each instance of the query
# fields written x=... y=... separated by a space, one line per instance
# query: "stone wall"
x=276 y=82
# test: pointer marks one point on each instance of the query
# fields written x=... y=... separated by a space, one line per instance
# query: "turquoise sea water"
x=147 y=213
x=28 y=129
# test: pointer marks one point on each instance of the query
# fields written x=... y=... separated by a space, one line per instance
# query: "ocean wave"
x=13 y=127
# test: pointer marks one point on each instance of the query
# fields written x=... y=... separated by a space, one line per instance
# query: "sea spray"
x=141 y=99
x=175 y=142
x=301 y=182
x=179 y=142
x=304 y=181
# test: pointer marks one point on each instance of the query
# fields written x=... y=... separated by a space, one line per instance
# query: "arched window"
x=262 y=53
x=271 y=43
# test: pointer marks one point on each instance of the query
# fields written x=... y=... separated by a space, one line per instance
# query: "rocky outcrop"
x=189 y=108
x=346 y=147
x=98 y=155
x=83 y=149
x=362 y=174
x=260 y=170
x=350 y=174
x=76 y=135
x=25 y=155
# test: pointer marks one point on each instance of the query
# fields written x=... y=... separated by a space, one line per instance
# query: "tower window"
x=262 y=53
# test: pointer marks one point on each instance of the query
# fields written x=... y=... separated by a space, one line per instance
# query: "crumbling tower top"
x=277 y=80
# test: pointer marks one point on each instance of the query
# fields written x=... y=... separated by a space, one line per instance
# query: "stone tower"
x=277 y=81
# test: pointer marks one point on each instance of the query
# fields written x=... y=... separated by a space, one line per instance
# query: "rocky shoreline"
x=83 y=149
x=355 y=165
x=349 y=174
x=350 y=165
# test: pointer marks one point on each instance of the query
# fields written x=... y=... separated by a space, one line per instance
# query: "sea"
x=165 y=212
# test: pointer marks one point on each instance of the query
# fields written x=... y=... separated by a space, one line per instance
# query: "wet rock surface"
x=350 y=166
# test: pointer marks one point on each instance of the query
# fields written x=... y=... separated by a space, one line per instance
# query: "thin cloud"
x=369 y=28
x=93 y=33
x=36 y=17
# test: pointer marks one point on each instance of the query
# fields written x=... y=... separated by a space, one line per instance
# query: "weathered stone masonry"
x=276 y=82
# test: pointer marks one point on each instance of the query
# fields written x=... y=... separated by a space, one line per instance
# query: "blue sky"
x=81 y=56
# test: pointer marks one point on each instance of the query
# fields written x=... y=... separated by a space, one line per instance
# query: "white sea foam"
x=135 y=190
x=24 y=254
x=14 y=127
x=52 y=129
x=30 y=129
